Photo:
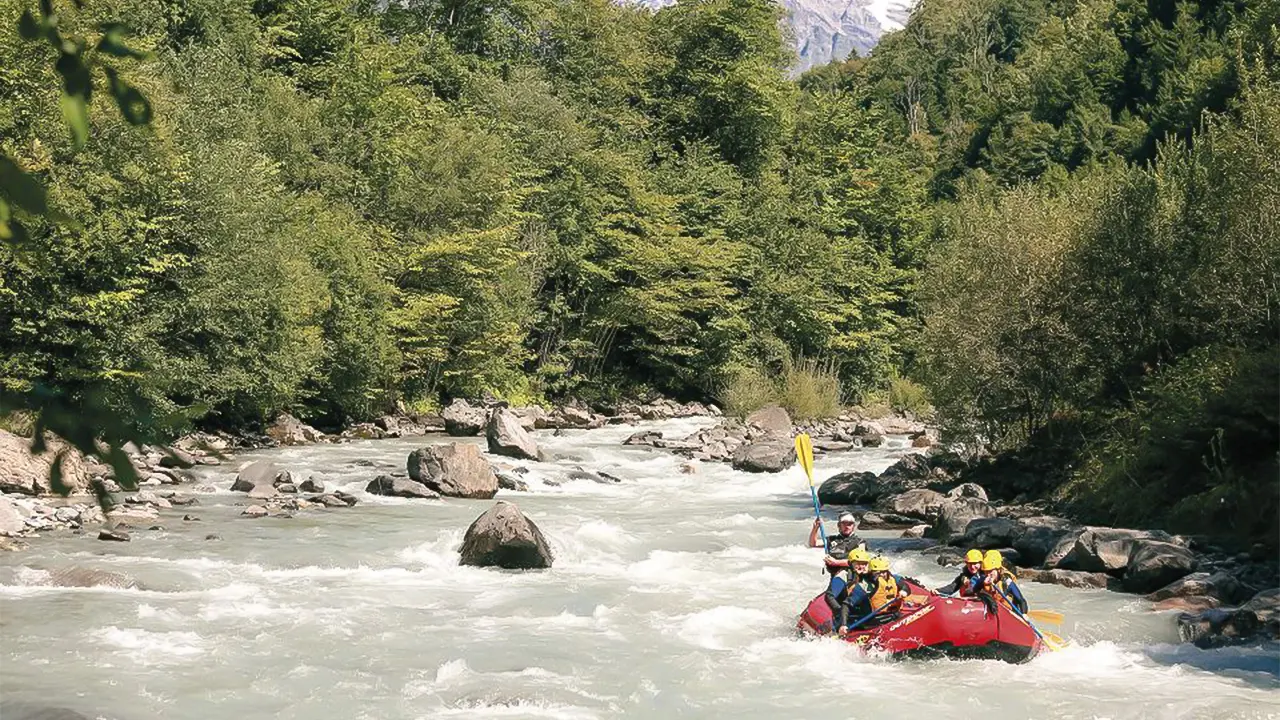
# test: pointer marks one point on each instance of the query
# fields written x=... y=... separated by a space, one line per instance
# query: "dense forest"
x=1060 y=218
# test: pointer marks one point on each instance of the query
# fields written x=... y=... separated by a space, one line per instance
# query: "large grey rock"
x=1155 y=564
x=772 y=421
x=506 y=436
x=400 y=487
x=955 y=514
x=1045 y=539
x=850 y=488
x=922 y=504
x=1069 y=578
x=528 y=417
x=505 y=537
x=644 y=437
x=454 y=470
x=1218 y=585
x=76 y=576
x=12 y=517
x=27 y=474
x=1104 y=549
x=765 y=456
x=1219 y=627
x=462 y=420
x=259 y=478
x=972 y=490
x=289 y=430
x=988 y=533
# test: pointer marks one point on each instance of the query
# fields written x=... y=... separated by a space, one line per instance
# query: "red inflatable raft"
x=930 y=625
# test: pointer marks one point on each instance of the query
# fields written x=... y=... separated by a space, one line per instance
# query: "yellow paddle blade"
x=804 y=453
x=1046 y=616
x=1053 y=642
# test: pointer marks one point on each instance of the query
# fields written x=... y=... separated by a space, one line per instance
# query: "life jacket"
x=1001 y=589
x=886 y=590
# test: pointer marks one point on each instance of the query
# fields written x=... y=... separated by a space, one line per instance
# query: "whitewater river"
x=672 y=596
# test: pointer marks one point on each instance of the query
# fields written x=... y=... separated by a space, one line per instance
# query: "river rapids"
x=672 y=595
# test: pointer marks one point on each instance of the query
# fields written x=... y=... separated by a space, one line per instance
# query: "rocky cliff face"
x=827 y=30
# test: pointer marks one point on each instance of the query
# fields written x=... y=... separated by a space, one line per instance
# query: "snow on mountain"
x=827 y=30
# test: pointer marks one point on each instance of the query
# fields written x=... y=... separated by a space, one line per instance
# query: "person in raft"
x=838 y=548
x=839 y=545
x=999 y=584
x=864 y=598
x=966 y=583
x=859 y=563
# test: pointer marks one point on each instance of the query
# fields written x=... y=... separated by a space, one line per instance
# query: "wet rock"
x=955 y=514
x=830 y=446
x=949 y=557
x=1103 y=549
x=1045 y=539
x=190 y=518
x=311 y=485
x=884 y=521
x=1069 y=578
x=687 y=468
x=1219 y=627
x=364 y=431
x=289 y=430
x=850 y=488
x=772 y=421
x=454 y=470
x=463 y=420
x=12 y=517
x=400 y=487
x=505 y=537
x=506 y=437
x=213 y=536
x=766 y=456
x=258 y=478
x=26 y=711
x=113 y=534
x=329 y=500
x=177 y=458
x=508 y=482
x=183 y=500
x=971 y=490
x=915 y=531
x=1155 y=564
x=644 y=437
x=255 y=511
x=988 y=533
x=1187 y=604
x=27 y=474
x=869 y=433
x=76 y=576
x=286 y=488
x=921 y=504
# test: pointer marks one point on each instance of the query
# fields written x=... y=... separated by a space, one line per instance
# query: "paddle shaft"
x=1026 y=619
x=886 y=606
x=817 y=513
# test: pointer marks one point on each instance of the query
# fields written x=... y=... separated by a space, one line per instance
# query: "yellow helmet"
x=973 y=556
x=859 y=555
x=879 y=564
x=992 y=560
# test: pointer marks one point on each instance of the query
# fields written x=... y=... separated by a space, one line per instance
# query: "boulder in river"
x=27 y=474
x=765 y=456
x=1155 y=564
x=259 y=479
x=454 y=470
x=511 y=482
x=1104 y=549
x=400 y=487
x=114 y=534
x=988 y=533
x=922 y=504
x=644 y=437
x=1220 y=585
x=12 y=517
x=1045 y=538
x=289 y=430
x=76 y=576
x=955 y=514
x=463 y=420
x=1069 y=578
x=505 y=537
x=771 y=421
x=506 y=436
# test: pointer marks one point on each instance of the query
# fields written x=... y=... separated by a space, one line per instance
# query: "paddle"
x=1047 y=616
x=1056 y=643
x=804 y=452
x=886 y=606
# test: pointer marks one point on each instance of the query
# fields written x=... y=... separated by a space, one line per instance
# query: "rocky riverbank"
x=1226 y=598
